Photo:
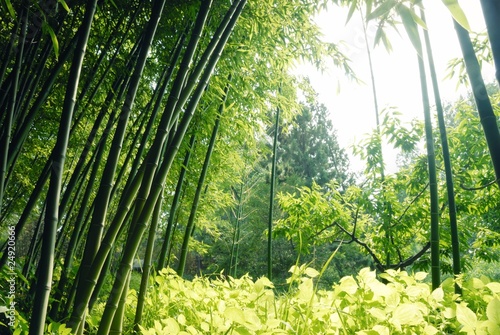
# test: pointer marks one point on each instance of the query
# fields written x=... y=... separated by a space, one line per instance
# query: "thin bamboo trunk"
x=146 y=267
x=433 y=187
x=7 y=123
x=452 y=211
x=175 y=204
x=235 y=246
x=271 y=199
x=386 y=216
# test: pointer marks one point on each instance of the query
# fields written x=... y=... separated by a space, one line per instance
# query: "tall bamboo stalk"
x=46 y=264
x=7 y=123
x=483 y=103
x=146 y=267
x=97 y=224
x=452 y=210
x=491 y=13
x=271 y=198
x=433 y=186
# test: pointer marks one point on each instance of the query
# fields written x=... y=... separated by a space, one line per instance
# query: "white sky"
x=396 y=74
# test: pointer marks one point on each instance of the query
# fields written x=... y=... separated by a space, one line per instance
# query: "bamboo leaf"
x=64 y=4
x=410 y=27
x=354 y=5
x=418 y=20
x=381 y=10
x=457 y=13
x=12 y=12
x=55 y=44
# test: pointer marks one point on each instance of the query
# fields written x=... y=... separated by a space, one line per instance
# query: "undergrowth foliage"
x=394 y=302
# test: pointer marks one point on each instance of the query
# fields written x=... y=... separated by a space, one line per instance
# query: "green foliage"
x=313 y=217
x=396 y=302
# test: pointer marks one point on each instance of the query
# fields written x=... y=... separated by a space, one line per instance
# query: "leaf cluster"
x=396 y=302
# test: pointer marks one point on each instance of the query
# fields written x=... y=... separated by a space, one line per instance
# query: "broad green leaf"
x=378 y=313
x=261 y=283
x=466 y=316
x=457 y=13
x=312 y=272
x=234 y=314
x=493 y=311
x=430 y=330
x=381 y=10
x=410 y=27
x=438 y=294
x=382 y=330
x=172 y=326
x=242 y=331
x=407 y=314
x=306 y=290
x=420 y=275
x=477 y=283
x=494 y=287
x=348 y=284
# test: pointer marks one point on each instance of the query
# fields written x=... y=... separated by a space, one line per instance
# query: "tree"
x=309 y=151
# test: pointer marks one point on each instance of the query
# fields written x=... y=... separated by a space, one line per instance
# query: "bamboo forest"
x=165 y=169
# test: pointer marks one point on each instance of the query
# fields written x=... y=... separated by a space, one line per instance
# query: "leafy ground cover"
x=394 y=302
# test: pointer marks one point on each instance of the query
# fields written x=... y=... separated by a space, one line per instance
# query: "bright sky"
x=396 y=74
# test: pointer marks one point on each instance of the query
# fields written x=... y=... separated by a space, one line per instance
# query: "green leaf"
x=494 y=287
x=493 y=311
x=466 y=316
x=11 y=9
x=352 y=9
x=410 y=27
x=172 y=325
x=55 y=44
x=430 y=330
x=457 y=13
x=235 y=315
x=381 y=10
x=418 y=20
x=64 y=4
x=311 y=272
x=407 y=314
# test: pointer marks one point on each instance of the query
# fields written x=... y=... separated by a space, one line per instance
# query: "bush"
x=402 y=304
